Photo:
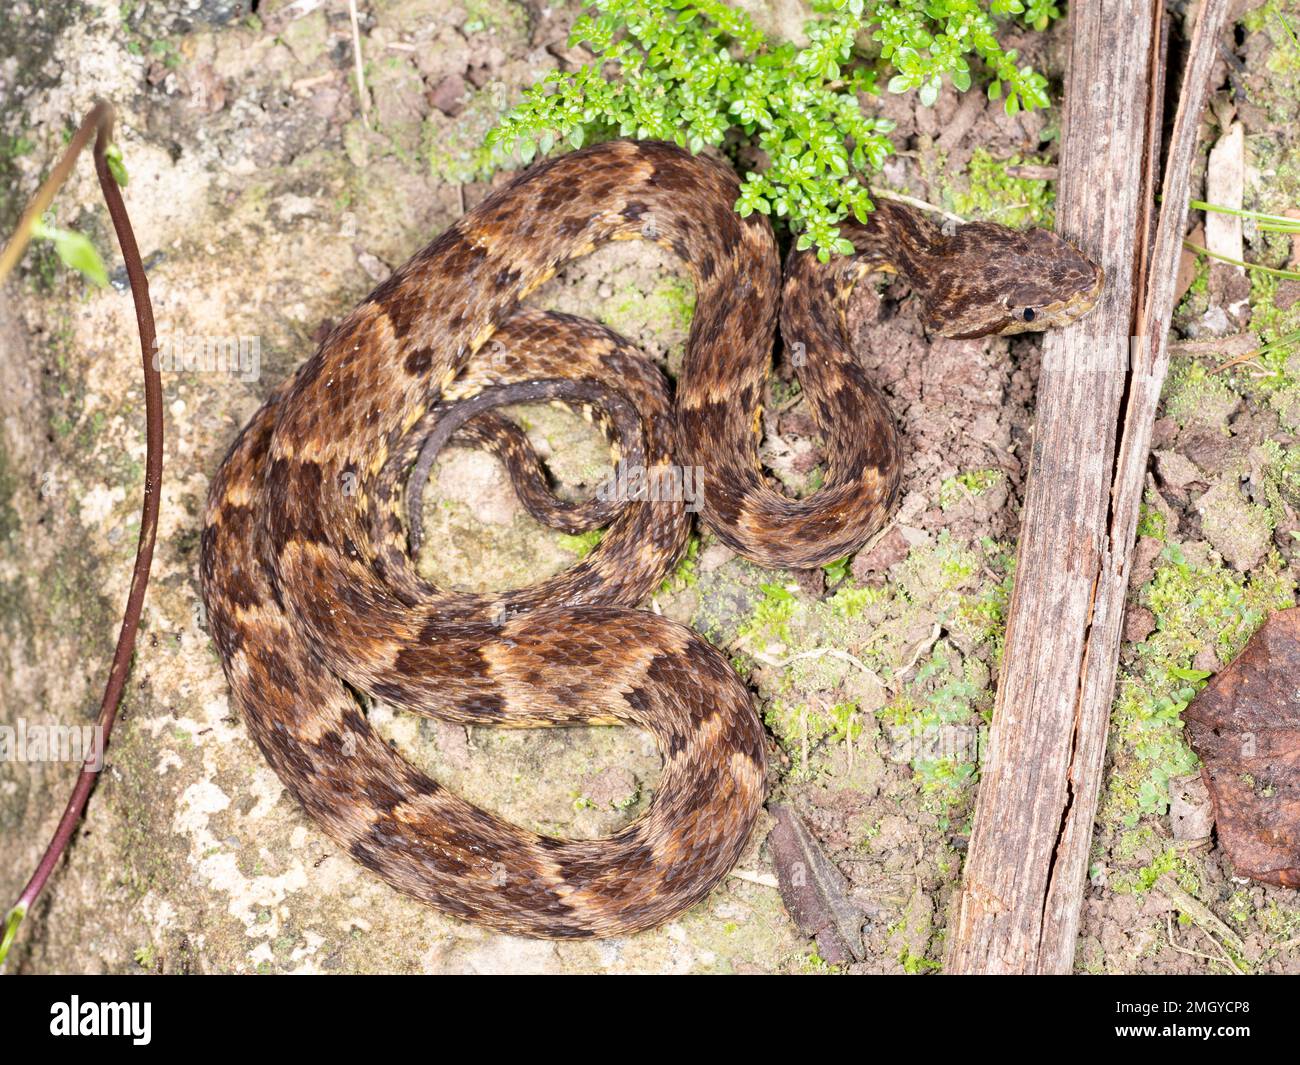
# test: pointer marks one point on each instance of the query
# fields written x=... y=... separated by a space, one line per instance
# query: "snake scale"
x=313 y=600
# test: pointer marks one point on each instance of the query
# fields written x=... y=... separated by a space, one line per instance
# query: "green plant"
x=74 y=249
x=581 y=544
x=992 y=193
x=966 y=486
x=772 y=613
x=836 y=571
x=687 y=572
x=692 y=71
x=1197 y=603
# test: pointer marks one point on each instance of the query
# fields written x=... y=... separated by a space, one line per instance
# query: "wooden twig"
x=920 y=205
x=1019 y=907
x=820 y=652
x=1200 y=914
x=1234 y=344
x=1223 y=958
x=360 y=66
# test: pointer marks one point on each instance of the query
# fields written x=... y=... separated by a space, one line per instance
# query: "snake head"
x=1000 y=280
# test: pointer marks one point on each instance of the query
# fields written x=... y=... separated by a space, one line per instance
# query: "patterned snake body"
x=312 y=596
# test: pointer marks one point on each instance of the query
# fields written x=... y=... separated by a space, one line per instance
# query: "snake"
x=316 y=606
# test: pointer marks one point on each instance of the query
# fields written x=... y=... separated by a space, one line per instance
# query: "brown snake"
x=312 y=595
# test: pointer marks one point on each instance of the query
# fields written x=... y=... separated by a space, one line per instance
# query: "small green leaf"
x=75 y=251
x=113 y=156
x=699 y=73
x=836 y=571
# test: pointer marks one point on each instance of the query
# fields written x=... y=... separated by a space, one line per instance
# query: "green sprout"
x=12 y=921
x=74 y=250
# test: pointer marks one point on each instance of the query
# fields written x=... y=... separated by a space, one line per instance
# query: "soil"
x=269 y=204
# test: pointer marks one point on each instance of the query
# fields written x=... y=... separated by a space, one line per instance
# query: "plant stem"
x=1268 y=223
x=99 y=121
x=361 y=73
x=1290 y=275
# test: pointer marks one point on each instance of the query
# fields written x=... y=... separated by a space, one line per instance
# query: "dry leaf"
x=1245 y=726
x=815 y=892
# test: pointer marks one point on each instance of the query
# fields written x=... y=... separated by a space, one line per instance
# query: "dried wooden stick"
x=1019 y=907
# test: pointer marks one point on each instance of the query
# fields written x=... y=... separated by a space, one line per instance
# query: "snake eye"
x=1027 y=314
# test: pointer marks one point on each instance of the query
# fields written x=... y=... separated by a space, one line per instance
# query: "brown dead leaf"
x=1245 y=726
x=815 y=892
x=1191 y=814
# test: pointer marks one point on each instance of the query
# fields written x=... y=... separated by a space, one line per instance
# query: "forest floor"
x=267 y=207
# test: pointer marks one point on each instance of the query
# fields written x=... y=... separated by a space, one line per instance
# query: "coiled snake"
x=312 y=596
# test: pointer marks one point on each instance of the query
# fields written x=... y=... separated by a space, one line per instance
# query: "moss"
x=964 y=485
x=869 y=645
x=1273 y=367
x=800 y=726
x=1281 y=923
x=772 y=614
x=1278 y=21
x=916 y=964
x=1194 y=395
x=1151 y=522
x=851 y=602
x=686 y=575
x=494 y=16
x=937 y=724
x=1239 y=529
x=813 y=964
x=1197 y=603
x=581 y=544
x=454 y=146
x=1285 y=400
x=913 y=936
x=1169 y=861
x=671 y=300
x=939 y=574
x=1239 y=908
x=989 y=192
x=9 y=520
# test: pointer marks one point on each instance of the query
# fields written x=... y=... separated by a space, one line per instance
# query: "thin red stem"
x=100 y=121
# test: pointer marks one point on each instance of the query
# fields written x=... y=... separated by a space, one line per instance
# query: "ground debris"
x=1245 y=726
x=815 y=891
